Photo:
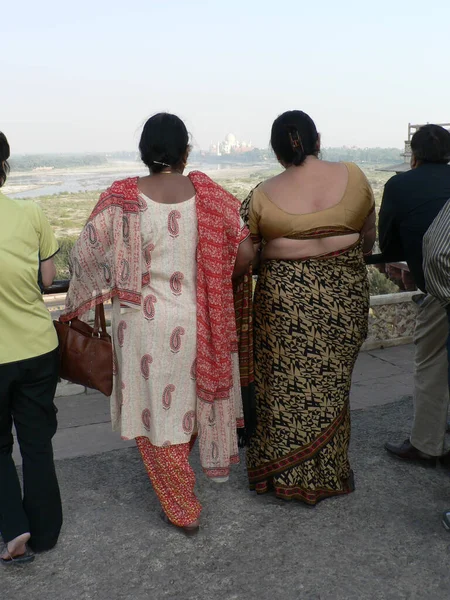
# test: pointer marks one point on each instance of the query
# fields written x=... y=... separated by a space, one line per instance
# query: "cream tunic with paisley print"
x=155 y=348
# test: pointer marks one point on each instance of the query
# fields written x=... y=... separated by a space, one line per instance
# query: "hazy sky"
x=84 y=75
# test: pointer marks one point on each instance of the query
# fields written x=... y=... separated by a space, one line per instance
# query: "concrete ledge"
x=389 y=343
x=66 y=388
x=397 y=298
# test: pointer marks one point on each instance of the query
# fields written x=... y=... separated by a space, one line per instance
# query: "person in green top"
x=28 y=376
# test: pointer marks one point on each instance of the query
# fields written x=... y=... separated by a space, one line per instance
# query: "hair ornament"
x=296 y=140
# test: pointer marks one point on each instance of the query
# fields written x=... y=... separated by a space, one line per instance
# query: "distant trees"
x=379 y=284
x=256 y=155
x=377 y=156
x=28 y=162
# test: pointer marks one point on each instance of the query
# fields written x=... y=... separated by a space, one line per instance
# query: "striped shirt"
x=436 y=256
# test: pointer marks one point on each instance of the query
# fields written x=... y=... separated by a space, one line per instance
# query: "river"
x=36 y=183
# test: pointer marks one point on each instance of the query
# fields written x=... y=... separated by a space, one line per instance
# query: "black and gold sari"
x=310 y=319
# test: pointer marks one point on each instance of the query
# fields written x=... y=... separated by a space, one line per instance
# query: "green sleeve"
x=48 y=245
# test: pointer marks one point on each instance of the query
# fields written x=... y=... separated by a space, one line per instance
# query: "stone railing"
x=392 y=319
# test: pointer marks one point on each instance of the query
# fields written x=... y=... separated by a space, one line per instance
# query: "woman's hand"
x=244 y=258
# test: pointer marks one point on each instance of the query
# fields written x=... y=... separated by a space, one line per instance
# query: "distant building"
x=405 y=165
x=230 y=145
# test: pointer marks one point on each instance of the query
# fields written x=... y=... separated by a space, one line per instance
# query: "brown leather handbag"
x=86 y=352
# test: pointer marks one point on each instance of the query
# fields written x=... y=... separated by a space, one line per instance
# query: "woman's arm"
x=244 y=258
x=48 y=272
x=250 y=220
x=48 y=247
x=257 y=251
x=369 y=232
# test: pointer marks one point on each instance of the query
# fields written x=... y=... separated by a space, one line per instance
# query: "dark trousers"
x=27 y=391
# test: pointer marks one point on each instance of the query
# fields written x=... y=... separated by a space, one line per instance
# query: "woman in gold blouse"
x=312 y=225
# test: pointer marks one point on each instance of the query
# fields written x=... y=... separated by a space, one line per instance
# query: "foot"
x=189 y=530
x=16 y=549
x=220 y=479
x=194 y=526
x=407 y=451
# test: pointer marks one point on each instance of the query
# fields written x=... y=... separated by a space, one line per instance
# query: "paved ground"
x=385 y=541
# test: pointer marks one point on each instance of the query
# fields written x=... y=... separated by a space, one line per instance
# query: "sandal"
x=188 y=530
x=19 y=559
x=26 y=557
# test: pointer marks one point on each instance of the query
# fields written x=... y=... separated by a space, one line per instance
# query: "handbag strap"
x=100 y=320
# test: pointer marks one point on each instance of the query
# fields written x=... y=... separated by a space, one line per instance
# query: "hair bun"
x=294 y=137
x=164 y=142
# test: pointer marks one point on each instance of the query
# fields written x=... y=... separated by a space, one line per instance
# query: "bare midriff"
x=287 y=249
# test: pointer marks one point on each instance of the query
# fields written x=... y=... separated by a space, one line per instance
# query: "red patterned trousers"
x=172 y=478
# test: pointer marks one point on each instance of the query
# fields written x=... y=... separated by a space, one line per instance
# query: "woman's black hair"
x=294 y=137
x=164 y=142
x=431 y=144
x=4 y=155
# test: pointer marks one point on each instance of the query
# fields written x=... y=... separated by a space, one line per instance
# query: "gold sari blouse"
x=268 y=222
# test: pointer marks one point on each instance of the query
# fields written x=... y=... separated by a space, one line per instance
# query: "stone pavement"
x=383 y=542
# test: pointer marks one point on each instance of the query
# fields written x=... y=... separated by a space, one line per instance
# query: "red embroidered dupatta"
x=219 y=233
x=106 y=261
